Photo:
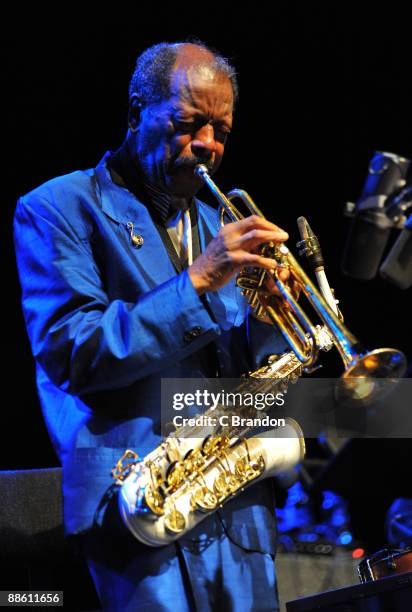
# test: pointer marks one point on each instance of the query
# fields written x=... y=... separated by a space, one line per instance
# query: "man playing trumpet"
x=128 y=278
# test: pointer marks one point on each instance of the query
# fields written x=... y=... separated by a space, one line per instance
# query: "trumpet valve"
x=249 y=278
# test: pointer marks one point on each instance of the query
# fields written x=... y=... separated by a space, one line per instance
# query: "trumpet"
x=304 y=338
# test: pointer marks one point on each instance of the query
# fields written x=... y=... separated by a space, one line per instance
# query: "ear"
x=135 y=107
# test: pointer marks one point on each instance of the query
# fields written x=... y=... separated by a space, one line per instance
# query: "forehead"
x=201 y=88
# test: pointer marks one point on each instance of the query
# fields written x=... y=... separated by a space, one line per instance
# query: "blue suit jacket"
x=107 y=321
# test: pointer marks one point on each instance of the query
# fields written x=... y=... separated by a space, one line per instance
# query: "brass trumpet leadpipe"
x=230 y=210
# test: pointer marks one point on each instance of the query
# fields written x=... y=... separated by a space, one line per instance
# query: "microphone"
x=397 y=267
x=371 y=226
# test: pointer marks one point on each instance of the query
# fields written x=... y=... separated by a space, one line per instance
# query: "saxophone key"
x=175 y=475
x=223 y=485
x=204 y=499
x=174 y=521
x=154 y=500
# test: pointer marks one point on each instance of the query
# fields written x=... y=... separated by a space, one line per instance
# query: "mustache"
x=189 y=162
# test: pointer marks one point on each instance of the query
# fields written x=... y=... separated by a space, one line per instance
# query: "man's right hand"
x=233 y=248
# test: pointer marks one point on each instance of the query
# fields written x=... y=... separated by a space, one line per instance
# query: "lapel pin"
x=137 y=239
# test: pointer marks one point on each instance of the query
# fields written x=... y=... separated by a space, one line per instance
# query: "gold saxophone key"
x=204 y=499
x=154 y=500
x=175 y=521
x=221 y=485
x=241 y=467
x=175 y=474
x=257 y=467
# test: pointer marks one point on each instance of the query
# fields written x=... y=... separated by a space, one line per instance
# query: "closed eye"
x=184 y=126
x=187 y=126
x=221 y=132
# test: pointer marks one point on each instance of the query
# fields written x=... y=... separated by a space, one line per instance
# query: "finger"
x=273 y=300
x=243 y=258
x=296 y=289
x=252 y=239
x=291 y=284
x=256 y=222
x=256 y=237
x=270 y=284
x=283 y=274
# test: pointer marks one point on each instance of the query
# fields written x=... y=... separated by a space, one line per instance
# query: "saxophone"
x=192 y=472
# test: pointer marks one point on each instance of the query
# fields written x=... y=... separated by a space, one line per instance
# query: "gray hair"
x=151 y=77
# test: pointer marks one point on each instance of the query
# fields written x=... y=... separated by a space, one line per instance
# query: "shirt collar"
x=125 y=172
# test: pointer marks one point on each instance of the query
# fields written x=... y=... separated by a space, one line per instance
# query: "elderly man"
x=127 y=278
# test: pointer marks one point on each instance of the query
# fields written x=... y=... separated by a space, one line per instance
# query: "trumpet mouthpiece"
x=201 y=170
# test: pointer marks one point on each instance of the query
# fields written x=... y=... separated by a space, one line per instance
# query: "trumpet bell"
x=371 y=376
x=380 y=363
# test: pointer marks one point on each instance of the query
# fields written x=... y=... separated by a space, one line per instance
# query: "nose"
x=204 y=145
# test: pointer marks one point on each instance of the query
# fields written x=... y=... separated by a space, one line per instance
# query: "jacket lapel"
x=124 y=209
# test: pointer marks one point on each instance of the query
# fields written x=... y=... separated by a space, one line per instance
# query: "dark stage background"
x=320 y=91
